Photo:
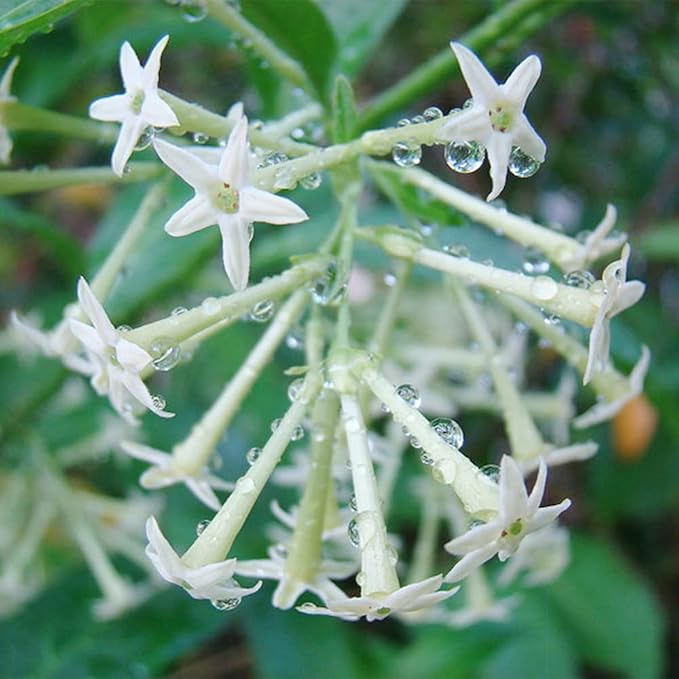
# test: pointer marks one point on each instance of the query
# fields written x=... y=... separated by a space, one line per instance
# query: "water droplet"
x=145 y=139
x=294 y=388
x=297 y=133
x=416 y=120
x=158 y=402
x=311 y=181
x=252 y=455
x=307 y=607
x=124 y=328
x=444 y=471
x=392 y=554
x=409 y=394
x=468 y=103
x=534 y=262
x=245 y=485
x=383 y=611
x=360 y=578
x=210 y=306
x=456 y=250
x=273 y=158
x=521 y=164
x=200 y=138
x=262 y=311
x=226 y=604
x=415 y=443
x=426 y=458
x=280 y=551
x=295 y=339
x=352 y=503
x=403 y=122
x=492 y=471
x=329 y=288
x=352 y=532
x=165 y=353
x=432 y=113
x=275 y=424
x=552 y=319
x=406 y=153
x=389 y=279
x=178 y=311
x=297 y=433
x=449 y=430
x=543 y=287
x=193 y=10
x=464 y=156
x=579 y=279
x=202 y=525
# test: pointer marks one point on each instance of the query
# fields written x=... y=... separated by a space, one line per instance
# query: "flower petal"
x=149 y=76
x=88 y=337
x=33 y=335
x=95 y=312
x=131 y=356
x=111 y=109
x=470 y=562
x=130 y=131
x=475 y=538
x=480 y=82
x=235 y=250
x=146 y=453
x=158 y=113
x=197 y=214
x=202 y=490
x=536 y=495
x=528 y=140
x=522 y=81
x=470 y=124
x=545 y=515
x=234 y=163
x=498 y=149
x=130 y=68
x=160 y=551
x=261 y=206
x=135 y=385
x=6 y=81
x=513 y=495
x=189 y=167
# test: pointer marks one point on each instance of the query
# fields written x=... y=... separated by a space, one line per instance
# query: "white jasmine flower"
x=140 y=106
x=212 y=581
x=558 y=456
x=164 y=472
x=605 y=410
x=496 y=119
x=5 y=88
x=289 y=589
x=117 y=363
x=378 y=606
x=620 y=294
x=543 y=554
x=225 y=197
x=519 y=514
x=596 y=244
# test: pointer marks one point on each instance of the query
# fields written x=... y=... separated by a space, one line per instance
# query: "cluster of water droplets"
x=192 y=10
x=408 y=153
x=296 y=434
x=329 y=289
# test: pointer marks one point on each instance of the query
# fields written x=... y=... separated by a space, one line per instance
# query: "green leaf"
x=19 y=20
x=413 y=201
x=609 y=612
x=360 y=26
x=343 y=110
x=299 y=28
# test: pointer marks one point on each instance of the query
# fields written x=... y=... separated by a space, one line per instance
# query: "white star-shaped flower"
x=378 y=606
x=620 y=294
x=289 y=589
x=212 y=581
x=519 y=514
x=225 y=197
x=496 y=119
x=5 y=95
x=543 y=555
x=140 y=107
x=164 y=473
x=117 y=363
x=605 y=410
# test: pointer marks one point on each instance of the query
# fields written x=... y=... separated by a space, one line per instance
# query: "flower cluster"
x=358 y=392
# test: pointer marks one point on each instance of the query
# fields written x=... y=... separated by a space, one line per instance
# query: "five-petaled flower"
x=405 y=599
x=140 y=107
x=224 y=196
x=496 y=119
x=212 y=581
x=620 y=294
x=116 y=363
x=519 y=514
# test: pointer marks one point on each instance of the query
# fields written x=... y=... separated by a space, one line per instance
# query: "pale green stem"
x=193 y=453
x=389 y=313
x=214 y=543
x=196 y=118
x=377 y=560
x=466 y=360
x=478 y=493
x=17 y=116
x=104 y=279
x=558 y=247
x=14 y=182
x=422 y=564
x=19 y=556
x=112 y=585
x=230 y=17
x=524 y=438
x=293 y=121
x=229 y=308
x=608 y=383
x=389 y=469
